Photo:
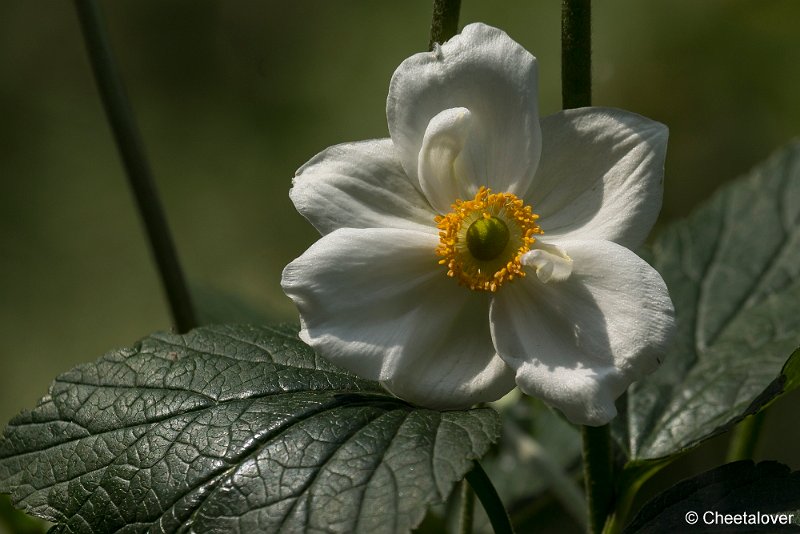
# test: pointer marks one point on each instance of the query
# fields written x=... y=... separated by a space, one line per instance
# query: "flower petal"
x=579 y=343
x=550 y=262
x=600 y=176
x=376 y=302
x=440 y=171
x=485 y=71
x=456 y=366
x=359 y=185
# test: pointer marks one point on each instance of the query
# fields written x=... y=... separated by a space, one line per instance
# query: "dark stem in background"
x=576 y=91
x=444 y=24
x=490 y=500
x=467 y=508
x=576 y=53
x=131 y=149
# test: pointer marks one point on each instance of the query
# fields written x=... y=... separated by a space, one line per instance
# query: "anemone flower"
x=480 y=246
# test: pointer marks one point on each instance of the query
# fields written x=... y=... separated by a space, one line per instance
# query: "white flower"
x=480 y=246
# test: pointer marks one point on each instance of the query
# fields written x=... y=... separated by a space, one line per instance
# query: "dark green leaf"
x=767 y=489
x=232 y=429
x=733 y=270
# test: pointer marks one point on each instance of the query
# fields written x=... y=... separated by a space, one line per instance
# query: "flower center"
x=487 y=237
x=482 y=240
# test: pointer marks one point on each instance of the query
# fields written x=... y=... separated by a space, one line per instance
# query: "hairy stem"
x=598 y=474
x=467 y=508
x=576 y=91
x=576 y=53
x=131 y=150
x=444 y=24
x=490 y=500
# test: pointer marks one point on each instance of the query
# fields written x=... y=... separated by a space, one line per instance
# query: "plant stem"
x=490 y=500
x=745 y=437
x=131 y=149
x=444 y=23
x=576 y=53
x=576 y=91
x=598 y=474
x=467 y=508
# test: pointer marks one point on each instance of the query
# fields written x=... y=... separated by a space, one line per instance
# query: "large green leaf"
x=733 y=270
x=765 y=497
x=232 y=429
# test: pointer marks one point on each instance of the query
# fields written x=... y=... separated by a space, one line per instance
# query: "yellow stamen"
x=482 y=240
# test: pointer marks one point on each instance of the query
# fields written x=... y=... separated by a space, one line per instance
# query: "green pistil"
x=487 y=238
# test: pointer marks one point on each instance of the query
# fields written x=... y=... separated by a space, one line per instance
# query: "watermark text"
x=713 y=517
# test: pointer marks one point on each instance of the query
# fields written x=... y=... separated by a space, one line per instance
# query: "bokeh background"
x=233 y=96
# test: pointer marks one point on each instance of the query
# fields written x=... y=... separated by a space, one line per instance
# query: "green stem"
x=131 y=149
x=576 y=53
x=490 y=500
x=444 y=23
x=598 y=474
x=745 y=437
x=467 y=508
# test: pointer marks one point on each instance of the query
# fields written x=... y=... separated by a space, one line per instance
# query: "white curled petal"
x=484 y=70
x=376 y=302
x=359 y=185
x=579 y=343
x=600 y=176
x=440 y=173
x=550 y=262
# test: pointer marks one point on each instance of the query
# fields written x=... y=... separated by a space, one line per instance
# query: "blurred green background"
x=233 y=96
